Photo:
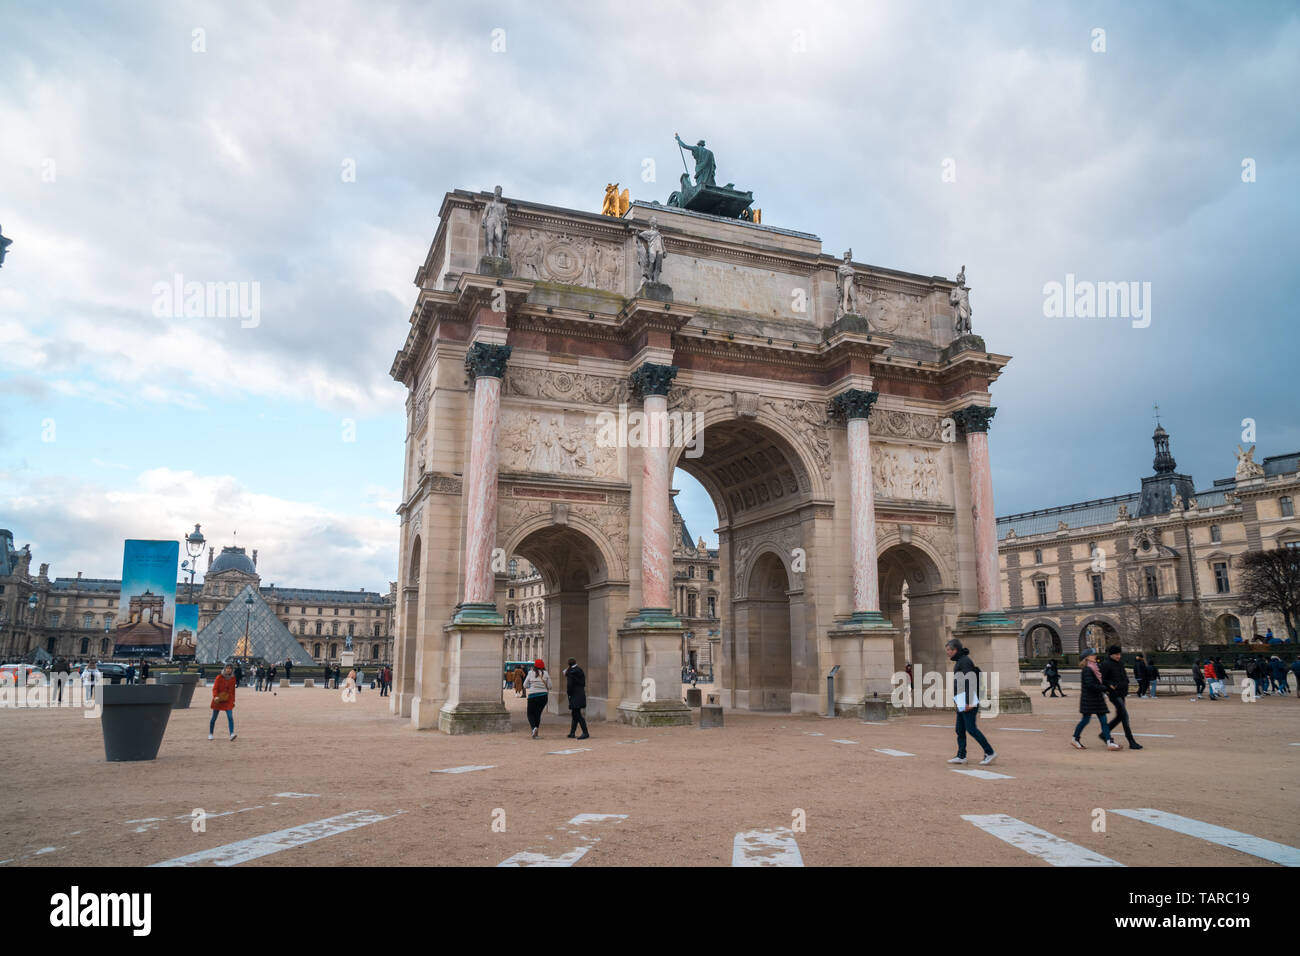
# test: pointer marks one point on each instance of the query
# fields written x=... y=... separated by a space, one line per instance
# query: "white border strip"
x=253 y=848
x=1232 y=839
x=1046 y=846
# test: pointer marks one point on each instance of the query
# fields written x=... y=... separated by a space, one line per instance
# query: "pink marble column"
x=975 y=420
x=862 y=517
x=656 y=512
x=855 y=406
x=487 y=364
x=652 y=382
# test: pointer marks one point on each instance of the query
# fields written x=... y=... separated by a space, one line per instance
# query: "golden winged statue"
x=615 y=203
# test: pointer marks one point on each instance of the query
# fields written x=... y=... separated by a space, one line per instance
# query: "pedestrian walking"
x=538 y=689
x=519 y=682
x=1277 y=675
x=361 y=678
x=1092 y=700
x=61 y=672
x=89 y=678
x=1221 y=674
x=1198 y=675
x=1115 y=677
x=144 y=672
x=288 y=670
x=1153 y=675
x=575 y=689
x=1140 y=674
x=1053 y=675
x=966 y=700
x=130 y=673
x=239 y=674
x=223 y=698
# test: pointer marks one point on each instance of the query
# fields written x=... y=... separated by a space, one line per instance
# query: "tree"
x=1270 y=581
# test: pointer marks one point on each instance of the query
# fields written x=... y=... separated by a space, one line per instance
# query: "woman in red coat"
x=223 y=698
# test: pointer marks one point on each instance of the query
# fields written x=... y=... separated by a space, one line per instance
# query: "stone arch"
x=1108 y=624
x=1227 y=626
x=1027 y=632
x=747 y=562
x=924 y=620
x=888 y=536
x=611 y=567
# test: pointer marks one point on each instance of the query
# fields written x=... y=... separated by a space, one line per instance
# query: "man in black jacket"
x=575 y=690
x=1115 y=678
x=965 y=690
x=1140 y=675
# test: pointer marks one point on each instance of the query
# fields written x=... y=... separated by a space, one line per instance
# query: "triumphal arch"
x=561 y=363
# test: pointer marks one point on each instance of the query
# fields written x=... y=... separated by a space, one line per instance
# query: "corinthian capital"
x=854 y=403
x=488 y=361
x=651 y=379
x=974 y=418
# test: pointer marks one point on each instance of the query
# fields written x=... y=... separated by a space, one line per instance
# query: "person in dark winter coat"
x=1115 y=678
x=1092 y=700
x=965 y=698
x=576 y=691
x=1140 y=675
x=1053 y=675
x=1198 y=675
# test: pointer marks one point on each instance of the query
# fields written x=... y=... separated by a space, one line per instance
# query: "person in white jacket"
x=537 y=688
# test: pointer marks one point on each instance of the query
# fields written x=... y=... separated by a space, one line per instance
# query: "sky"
x=213 y=141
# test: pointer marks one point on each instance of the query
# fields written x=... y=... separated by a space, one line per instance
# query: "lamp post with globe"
x=194 y=543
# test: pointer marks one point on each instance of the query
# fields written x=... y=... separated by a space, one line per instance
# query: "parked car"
x=25 y=673
x=113 y=673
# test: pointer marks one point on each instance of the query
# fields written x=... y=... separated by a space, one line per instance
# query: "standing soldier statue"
x=959 y=298
x=846 y=299
x=650 y=250
x=494 y=225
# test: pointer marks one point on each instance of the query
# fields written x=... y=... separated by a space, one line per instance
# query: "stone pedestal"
x=875 y=711
x=693 y=697
x=658 y=291
x=870 y=646
x=498 y=266
x=347 y=659
x=654 y=654
x=993 y=644
x=474 y=704
x=284 y=682
x=309 y=682
x=710 y=716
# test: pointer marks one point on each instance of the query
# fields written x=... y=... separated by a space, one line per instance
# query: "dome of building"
x=232 y=559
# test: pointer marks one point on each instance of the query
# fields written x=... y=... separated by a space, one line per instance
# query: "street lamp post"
x=194 y=544
x=32 y=601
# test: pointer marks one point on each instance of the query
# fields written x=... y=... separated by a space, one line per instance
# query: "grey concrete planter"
x=135 y=718
x=187 y=684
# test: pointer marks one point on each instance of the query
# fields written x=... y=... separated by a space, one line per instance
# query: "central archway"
x=922 y=614
x=763 y=486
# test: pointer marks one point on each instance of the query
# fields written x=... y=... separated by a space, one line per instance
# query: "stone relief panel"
x=578 y=387
x=549 y=442
x=809 y=420
x=895 y=424
x=910 y=474
x=899 y=314
x=567 y=259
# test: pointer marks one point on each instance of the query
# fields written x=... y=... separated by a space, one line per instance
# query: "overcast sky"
x=128 y=157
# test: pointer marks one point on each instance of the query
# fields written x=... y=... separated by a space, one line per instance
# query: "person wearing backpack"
x=1115 y=678
x=966 y=700
x=1092 y=701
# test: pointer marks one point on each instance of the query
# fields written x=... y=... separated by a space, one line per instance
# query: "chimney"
x=254 y=557
x=78 y=575
x=210 y=551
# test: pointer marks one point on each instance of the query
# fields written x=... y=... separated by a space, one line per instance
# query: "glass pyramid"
x=267 y=637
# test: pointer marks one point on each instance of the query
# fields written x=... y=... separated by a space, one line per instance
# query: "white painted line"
x=1155 y=735
x=1036 y=842
x=1255 y=846
x=984 y=774
x=291 y=794
x=468 y=768
x=940 y=726
x=893 y=753
x=575 y=750
x=1293 y=745
x=837 y=741
x=642 y=740
x=1023 y=730
x=253 y=848
x=567 y=857
x=766 y=848
x=813 y=733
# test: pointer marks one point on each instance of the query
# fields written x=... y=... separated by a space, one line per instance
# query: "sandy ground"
x=304 y=755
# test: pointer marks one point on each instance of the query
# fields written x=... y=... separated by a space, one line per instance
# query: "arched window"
x=690 y=571
x=514 y=567
x=510 y=617
x=1215 y=534
x=1288 y=509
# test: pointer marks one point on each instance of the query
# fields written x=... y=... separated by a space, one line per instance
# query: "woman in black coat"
x=1092 y=700
x=575 y=689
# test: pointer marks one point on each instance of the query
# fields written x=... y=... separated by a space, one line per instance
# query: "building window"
x=336 y=612
x=1153 y=586
x=374 y=652
x=85 y=645
x=376 y=633
x=316 y=651
x=334 y=628
x=510 y=617
x=88 y=621
x=103 y=646
x=351 y=628
x=1038 y=555
x=690 y=571
x=1041 y=587
x=318 y=628
x=511 y=593
x=713 y=607
x=1221 y=577
x=1288 y=510
x=54 y=619
x=320 y=610
x=334 y=650
x=690 y=605
x=1215 y=534
x=514 y=567
x=352 y=612
x=1096 y=589
x=710 y=574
